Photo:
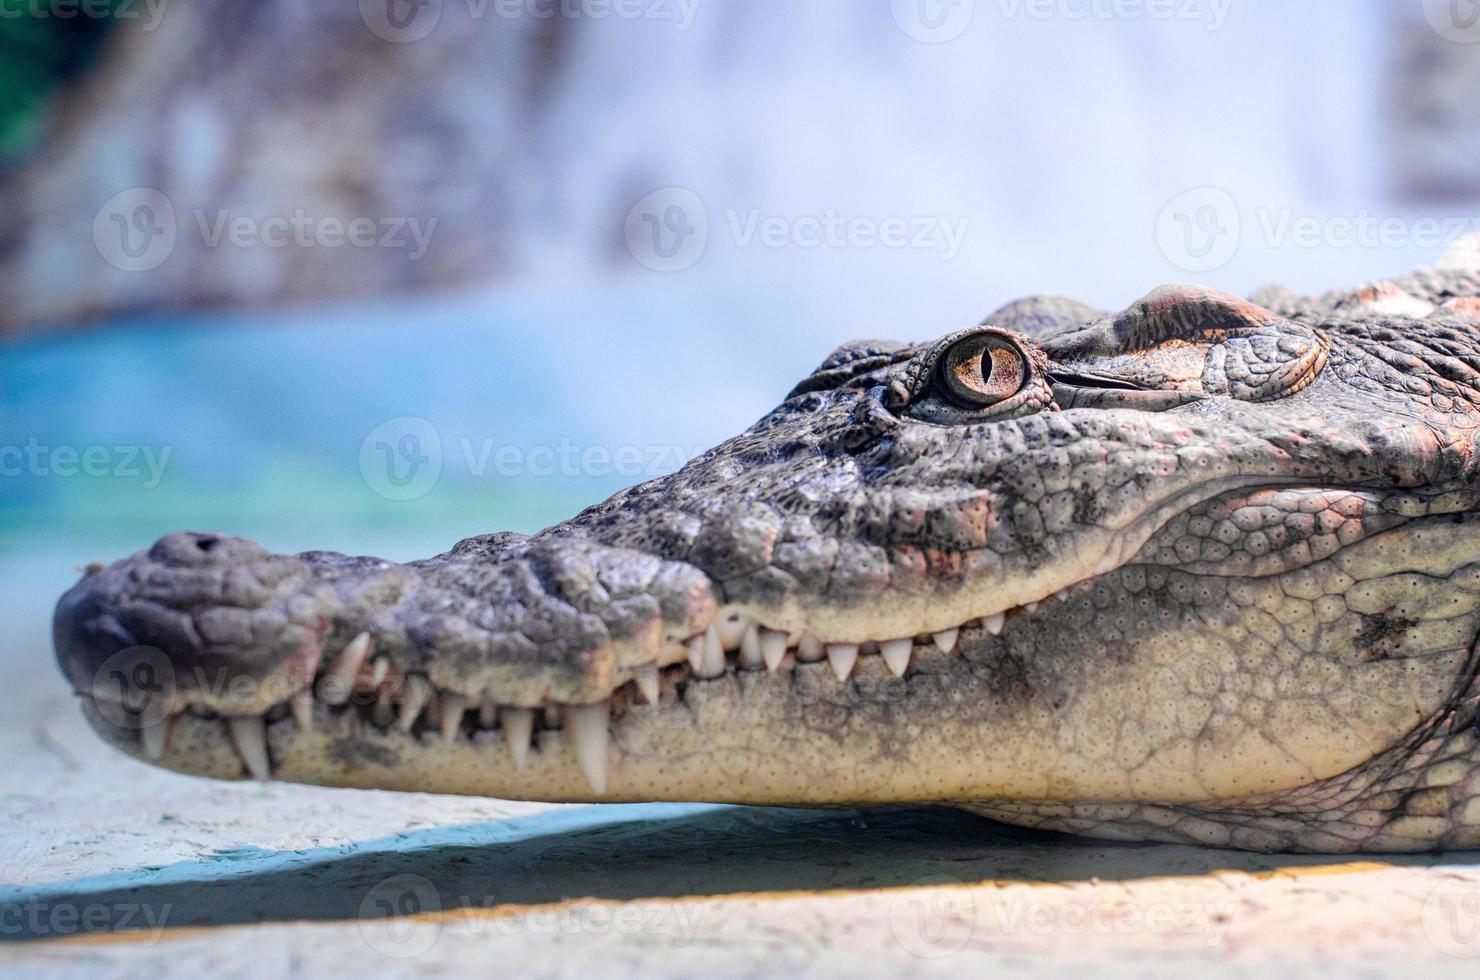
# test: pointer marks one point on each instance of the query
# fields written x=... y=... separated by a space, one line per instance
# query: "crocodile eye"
x=981 y=374
x=983 y=370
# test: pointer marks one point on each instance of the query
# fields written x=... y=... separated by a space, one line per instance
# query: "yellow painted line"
x=1349 y=868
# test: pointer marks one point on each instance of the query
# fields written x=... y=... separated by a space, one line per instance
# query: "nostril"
x=197 y=549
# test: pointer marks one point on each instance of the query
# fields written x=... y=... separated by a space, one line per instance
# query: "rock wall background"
x=266 y=122
x=768 y=146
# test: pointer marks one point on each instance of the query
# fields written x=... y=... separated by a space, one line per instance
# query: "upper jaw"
x=332 y=647
x=216 y=623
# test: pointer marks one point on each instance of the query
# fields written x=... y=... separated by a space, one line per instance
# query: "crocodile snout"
x=198 y=619
x=205 y=628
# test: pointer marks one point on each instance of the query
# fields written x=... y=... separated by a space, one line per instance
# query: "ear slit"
x=1081 y=380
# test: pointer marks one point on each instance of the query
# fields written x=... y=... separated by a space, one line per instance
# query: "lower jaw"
x=796 y=736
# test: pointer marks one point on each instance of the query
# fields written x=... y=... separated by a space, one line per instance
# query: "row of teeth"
x=401 y=701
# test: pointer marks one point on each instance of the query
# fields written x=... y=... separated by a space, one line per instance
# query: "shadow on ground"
x=613 y=853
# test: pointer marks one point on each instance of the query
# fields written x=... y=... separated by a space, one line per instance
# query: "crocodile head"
x=1202 y=570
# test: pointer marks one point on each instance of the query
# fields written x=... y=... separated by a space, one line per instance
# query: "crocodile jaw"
x=1255 y=580
x=1176 y=667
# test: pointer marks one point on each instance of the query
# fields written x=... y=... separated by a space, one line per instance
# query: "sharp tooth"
x=897 y=655
x=384 y=711
x=453 y=706
x=487 y=713
x=1031 y=607
x=809 y=649
x=750 y=649
x=154 y=737
x=773 y=647
x=732 y=630
x=379 y=667
x=842 y=656
x=249 y=735
x=302 y=705
x=707 y=653
x=339 y=679
x=646 y=679
x=587 y=726
x=994 y=622
x=946 y=639
x=418 y=692
x=714 y=653
x=518 y=724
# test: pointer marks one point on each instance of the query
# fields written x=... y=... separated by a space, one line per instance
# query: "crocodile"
x=1206 y=570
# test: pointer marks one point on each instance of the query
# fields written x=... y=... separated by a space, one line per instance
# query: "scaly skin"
x=1204 y=570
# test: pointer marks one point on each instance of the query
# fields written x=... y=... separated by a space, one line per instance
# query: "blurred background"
x=373 y=276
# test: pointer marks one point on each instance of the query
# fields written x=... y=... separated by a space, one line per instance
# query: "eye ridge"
x=983 y=370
